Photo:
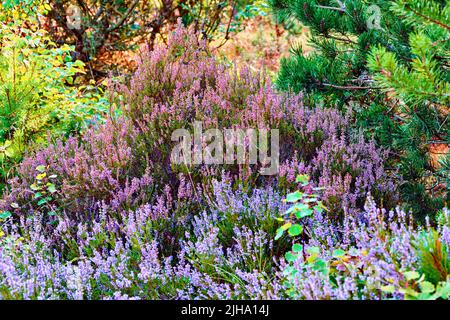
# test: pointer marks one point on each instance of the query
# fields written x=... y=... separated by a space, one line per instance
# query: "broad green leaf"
x=286 y=226
x=9 y=153
x=318 y=209
x=5 y=215
x=290 y=257
x=294 y=197
x=320 y=265
x=302 y=213
x=426 y=287
x=338 y=253
x=51 y=188
x=279 y=233
x=443 y=290
x=295 y=230
x=411 y=275
x=42 y=201
x=297 y=247
x=297 y=207
x=313 y=250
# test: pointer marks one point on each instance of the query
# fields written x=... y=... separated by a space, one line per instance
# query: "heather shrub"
x=125 y=162
x=377 y=255
x=372 y=256
x=99 y=168
x=183 y=83
x=105 y=260
x=102 y=31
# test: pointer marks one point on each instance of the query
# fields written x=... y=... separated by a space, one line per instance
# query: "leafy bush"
x=36 y=96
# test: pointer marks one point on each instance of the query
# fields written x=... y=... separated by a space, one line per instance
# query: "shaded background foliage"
x=110 y=26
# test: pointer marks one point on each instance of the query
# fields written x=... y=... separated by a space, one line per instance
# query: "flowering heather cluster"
x=221 y=255
x=99 y=168
x=108 y=216
x=111 y=261
x=125 y=163
x=374 y=256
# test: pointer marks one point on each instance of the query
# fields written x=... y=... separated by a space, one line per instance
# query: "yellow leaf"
x=41 y=176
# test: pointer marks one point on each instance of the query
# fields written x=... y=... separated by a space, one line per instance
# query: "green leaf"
x=426 y=287
x=297 y=247
x=304 y=212
x=297 y=207
x=302 y=178
x=313 y=250
x=320 y=265
x=411 y=275
x=338 y=253
x=409 y=293
x=295 y=230
x=279 y=233
x=5 y=215
x=286 y=226
x=51 y=188
x=41 y=176
x=35 y=187
x=318 y=208
x=388 y=289
x=42 y=201
x=443 y=290
x=290 y=257
x=294 y=197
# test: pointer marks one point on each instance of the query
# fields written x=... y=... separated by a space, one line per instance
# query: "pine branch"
x=334 y=86
x=437 y=22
